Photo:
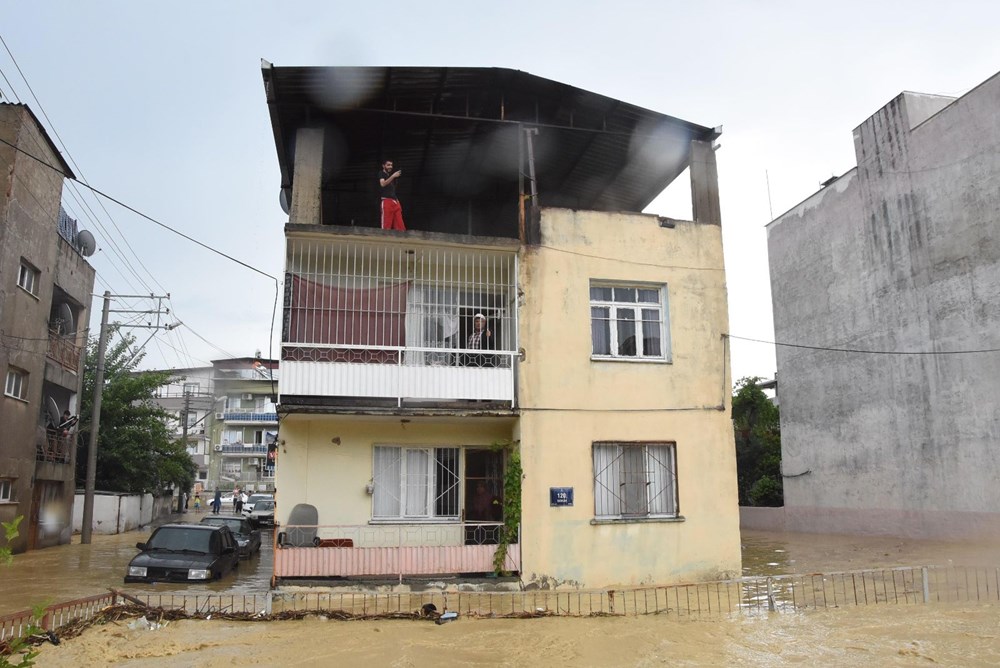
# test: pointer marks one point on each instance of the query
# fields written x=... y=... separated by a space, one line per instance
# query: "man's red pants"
x=392 y=215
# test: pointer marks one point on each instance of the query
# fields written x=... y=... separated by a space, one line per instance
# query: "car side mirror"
x=141 y=546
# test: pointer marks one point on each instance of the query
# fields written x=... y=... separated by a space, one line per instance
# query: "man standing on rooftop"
x=392 y=212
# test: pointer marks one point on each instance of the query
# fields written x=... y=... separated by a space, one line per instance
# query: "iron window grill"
x=635 y=480
x=419 y=483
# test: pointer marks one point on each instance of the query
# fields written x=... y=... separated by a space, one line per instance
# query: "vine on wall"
x=511 y=503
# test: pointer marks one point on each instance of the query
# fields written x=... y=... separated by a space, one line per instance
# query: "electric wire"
x=860 y=351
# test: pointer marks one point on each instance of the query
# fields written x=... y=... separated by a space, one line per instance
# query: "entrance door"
x=483 y=496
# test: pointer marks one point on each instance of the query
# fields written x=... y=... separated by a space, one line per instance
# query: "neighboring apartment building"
x=601 y=362
x=898 y=255
x=244 y=429
x=190 y=399
x=45 y=292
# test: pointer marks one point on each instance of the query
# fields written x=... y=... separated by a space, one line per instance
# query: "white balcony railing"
x=398 y=321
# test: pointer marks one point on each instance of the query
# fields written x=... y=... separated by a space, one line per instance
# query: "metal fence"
x=749 y=596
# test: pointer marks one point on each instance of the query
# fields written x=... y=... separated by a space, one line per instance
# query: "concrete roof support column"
x=307 y=179
x=704 y=184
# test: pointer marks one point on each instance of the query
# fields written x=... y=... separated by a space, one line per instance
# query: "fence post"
x=770 y=597
x=926 y=583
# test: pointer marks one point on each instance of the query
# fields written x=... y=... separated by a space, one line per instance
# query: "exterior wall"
x=569 y=401
x=118 y=513
x=29 y=213
x=897 y=255
x=333 y=476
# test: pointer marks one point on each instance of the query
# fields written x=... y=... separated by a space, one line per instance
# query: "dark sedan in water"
x=185 y=553
x=247 y=537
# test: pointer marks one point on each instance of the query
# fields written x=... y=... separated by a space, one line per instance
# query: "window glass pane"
x=626 y=332
x=607 y=473
x=660 y=465
x=651 y=333
x=386 y=479
x=600 y=294
x=600 y=329
x=417 y=481
x=633 y=481
x=446 y=482
x=649 y=296
x=625 y=295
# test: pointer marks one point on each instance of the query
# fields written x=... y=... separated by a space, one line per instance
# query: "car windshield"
x=235 y=525
x=264 y=505
x=181 y=538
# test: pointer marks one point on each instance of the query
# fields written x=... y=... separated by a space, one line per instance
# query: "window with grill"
x=415 y=483
x=17 y=384
x=629 y=322
x=27 y=278
x=635 y=480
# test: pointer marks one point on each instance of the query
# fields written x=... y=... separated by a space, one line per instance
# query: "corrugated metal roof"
x=457 y=135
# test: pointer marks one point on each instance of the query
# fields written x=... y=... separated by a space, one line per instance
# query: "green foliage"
x=10 y=532
x=136 y=450
x=758 y=445
x=513 y=473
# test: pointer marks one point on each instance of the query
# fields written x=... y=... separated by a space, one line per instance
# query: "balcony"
x=247 y=449
x=64 y=351
x=56 y=448
x=250 y=416
x=398 y=322
x=390 y=551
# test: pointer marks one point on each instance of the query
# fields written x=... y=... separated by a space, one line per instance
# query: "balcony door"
x=483 y=496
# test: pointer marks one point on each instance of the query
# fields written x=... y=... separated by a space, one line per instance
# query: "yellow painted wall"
x=312 y=469
x=569 y=401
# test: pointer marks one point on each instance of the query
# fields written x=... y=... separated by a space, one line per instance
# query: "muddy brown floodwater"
x=902 y=635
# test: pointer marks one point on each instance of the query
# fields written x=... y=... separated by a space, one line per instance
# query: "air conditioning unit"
x=218 y=448
x=219 y=416
x=248 y=397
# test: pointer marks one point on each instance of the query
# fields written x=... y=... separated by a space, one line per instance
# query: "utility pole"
x=95 y=421
x=184 y=428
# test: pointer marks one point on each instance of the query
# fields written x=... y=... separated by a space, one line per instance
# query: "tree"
x=758 y=445
x=136 y=451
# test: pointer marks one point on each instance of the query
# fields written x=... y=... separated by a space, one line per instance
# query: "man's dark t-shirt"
x=389 y=189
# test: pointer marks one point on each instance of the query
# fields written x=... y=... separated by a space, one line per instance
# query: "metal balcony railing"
x=400 y=321
x=390 y=550
x=236 y=415
x=64 y=351
x=56 y=448
x=242 y=449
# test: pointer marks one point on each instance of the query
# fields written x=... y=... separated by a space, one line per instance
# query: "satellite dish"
x=67 y=323
x=85 y=240
x=52 y=408
x=284 y=198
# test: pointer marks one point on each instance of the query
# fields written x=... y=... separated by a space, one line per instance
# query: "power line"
x=867 y=352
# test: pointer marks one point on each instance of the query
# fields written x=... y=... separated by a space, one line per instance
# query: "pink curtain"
x=366 y=317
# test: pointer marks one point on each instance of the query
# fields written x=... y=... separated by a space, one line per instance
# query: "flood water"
x=943 y=634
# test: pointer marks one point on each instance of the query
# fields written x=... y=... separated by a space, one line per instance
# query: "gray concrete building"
x=45 y=292
x=898 y=258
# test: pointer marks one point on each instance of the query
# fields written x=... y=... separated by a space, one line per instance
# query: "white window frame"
x=612 y=478
x=28 y=278
x=661 y=305
x=16 y=385
x=382 y=486
x=6 y=490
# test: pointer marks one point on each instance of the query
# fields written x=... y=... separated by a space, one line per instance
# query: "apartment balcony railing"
x=399 y=321
x=390 y=550
x=246 y=449
x=64 y=351
x=56 y=448
x=250 y=416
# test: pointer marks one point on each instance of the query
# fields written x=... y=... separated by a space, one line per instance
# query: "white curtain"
x=607 y=477
x=660 y=467
x=431 y=322
x=387 y=481
x=417 y=483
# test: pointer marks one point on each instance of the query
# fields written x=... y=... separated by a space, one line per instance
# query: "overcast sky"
x=162 y=106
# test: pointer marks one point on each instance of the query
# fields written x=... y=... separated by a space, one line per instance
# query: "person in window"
x=392 y=212
x=485 y=506
x=481 y=338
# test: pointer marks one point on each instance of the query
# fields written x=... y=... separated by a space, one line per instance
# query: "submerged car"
x=185 y=553
x=263 y=513
x=252 y=500
x=247 y=537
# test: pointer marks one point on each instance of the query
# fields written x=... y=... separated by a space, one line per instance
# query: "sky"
x=161 y=105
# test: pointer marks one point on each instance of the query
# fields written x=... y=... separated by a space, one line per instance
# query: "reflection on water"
x=65 y=572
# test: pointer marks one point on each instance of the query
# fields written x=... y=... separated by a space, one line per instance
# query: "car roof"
x=191 y=525
x=221 y=516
